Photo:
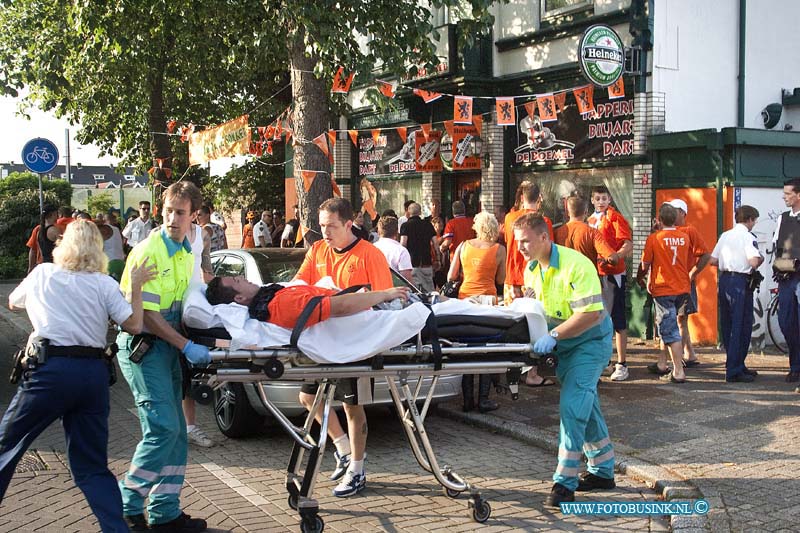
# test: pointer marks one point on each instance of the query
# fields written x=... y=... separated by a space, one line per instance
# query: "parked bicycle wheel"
x=773 y=327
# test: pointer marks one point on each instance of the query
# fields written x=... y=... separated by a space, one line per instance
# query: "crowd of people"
x=577 y=270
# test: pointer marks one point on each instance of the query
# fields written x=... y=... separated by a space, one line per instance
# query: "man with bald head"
x=418 y=236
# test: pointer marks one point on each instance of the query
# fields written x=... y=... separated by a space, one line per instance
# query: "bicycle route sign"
x=40 y=155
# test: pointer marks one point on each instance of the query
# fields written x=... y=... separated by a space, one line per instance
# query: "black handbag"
x=451 y=288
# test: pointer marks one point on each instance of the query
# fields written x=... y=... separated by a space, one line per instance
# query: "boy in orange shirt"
x=617 y=233
x=667 y=257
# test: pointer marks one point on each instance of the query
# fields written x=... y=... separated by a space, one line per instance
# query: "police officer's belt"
x=76 y=352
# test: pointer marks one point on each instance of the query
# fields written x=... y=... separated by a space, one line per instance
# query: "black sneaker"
x=484 y=406
x=751 y=372
x=136 y=522
x=590 y=481
x=559 y=493
x=183 y=524
x=741 y=378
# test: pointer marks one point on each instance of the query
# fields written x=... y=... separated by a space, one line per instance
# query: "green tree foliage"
x=99 y=203
x=251 y=186
x=19 y=213
x=18 y=182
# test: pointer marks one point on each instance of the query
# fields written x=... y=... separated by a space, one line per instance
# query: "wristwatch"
x=553 y=333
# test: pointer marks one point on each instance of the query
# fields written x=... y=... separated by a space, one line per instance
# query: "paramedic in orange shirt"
x=578 y=235
x=617 y=233
x=349 y=261
x=530 y=202
x=666 y=258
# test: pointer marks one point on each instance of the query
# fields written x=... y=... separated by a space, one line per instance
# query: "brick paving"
x=239 y=484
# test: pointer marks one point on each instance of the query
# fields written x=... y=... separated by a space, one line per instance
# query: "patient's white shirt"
x=70 y=308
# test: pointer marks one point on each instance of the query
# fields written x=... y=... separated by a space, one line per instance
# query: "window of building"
x=99 y=177
x=553 y=8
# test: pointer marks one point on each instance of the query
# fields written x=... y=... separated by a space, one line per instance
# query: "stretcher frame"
x=396 y=366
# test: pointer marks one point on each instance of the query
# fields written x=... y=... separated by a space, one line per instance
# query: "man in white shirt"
x=786 y=244
x=139 y=228
x=737 y=256
x=396 y=254
x=262 y=230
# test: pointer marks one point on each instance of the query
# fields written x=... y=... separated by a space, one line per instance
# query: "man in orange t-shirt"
x=349 y=261
x=282 y=306
x=666 y=258
x=578 y=235
x=530 y=202
x=457 y=230
x=34 y=254
x=617 y=233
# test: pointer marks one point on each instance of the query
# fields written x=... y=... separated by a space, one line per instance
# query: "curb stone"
x=663 y=481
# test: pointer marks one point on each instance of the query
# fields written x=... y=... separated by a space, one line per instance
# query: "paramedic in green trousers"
x=580 y=334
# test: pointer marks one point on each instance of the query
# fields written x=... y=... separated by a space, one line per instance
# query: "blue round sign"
x=40 y=155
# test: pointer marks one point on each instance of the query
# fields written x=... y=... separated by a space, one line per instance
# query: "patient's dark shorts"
x=346 y=391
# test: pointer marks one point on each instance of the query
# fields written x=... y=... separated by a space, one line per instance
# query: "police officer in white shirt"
x=262 y=231
x=140 y=227
x=737 y=256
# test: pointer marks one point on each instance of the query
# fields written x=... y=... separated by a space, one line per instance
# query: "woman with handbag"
x=480 y=263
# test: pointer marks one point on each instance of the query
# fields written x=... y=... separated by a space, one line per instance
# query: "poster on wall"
x=605 y=134
x=461 y=148
x=427 y=150
x=770 y=207
x=386 y=151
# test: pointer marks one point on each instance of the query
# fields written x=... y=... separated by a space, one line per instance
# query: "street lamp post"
x=66 y=151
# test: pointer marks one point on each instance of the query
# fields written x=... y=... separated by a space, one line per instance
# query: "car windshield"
x=281 y=268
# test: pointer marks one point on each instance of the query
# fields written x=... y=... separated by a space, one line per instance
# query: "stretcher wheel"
x=203 y=394
x=312 y=524
x=550 y=361
x=450 y=493
x=293 y=501
x=481 y=511
x=273 y=369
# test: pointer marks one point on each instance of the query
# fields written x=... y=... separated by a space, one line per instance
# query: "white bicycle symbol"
x=40 y=153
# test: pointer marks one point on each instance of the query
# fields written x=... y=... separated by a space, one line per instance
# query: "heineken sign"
x=602 y=55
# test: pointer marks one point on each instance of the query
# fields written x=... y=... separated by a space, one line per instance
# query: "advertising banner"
x=384 y=151
x=604 y=134
x=427 y=151
x=225 y=140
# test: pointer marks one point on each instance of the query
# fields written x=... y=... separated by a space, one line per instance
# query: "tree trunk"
x=160 y=146
x=310 y=118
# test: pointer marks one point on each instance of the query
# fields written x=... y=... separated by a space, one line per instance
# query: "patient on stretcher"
x=283 y=305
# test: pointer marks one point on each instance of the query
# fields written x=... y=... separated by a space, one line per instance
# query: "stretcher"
x=421 y=357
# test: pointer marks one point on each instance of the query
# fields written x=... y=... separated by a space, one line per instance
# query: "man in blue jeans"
x=786 y=243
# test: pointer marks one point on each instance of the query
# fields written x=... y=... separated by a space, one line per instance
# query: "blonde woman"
x=69 y=303
x=481 y=264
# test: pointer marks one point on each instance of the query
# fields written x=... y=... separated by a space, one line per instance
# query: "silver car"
x=237 y=407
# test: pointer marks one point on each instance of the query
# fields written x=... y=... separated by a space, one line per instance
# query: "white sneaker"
x=351 y=484
x=620 y=372
x=198 y=437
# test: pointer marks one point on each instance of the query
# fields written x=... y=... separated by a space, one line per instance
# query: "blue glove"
x=544 y=344
x=196 y=354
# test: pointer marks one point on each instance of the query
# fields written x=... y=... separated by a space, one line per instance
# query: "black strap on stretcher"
x=310 y=307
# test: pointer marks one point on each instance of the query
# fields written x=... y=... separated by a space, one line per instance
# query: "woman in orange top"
x=483 y=264
x=247 y=232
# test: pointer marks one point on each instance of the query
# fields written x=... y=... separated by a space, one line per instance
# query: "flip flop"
x=545 y=383
x=690 y=364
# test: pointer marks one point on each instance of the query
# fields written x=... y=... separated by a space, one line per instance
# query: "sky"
x=16 y=130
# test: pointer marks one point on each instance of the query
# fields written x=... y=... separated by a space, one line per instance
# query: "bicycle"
x=39 y=153
x=773 y=327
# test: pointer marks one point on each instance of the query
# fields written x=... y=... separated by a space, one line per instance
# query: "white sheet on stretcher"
x=339 y=339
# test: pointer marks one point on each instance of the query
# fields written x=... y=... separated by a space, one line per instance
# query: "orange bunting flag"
x=426 y=132
x=336 y=191
x=353 y=136
x=530 y=107
x=427 y=96
x=462 y=109
x=269 y=147
x=386 y=88
x=561 y=101
x=288 y=135
x=167 y=172
x=262 y=132
x=171 y=126
x=341 y=85
x=308 y=178
x=376 y=134
x=617 y=89
x=403 y=133
x=278 y=130
x=584 y=96
x=331 y=137
x=160 y=162
x=186 y=131
x=506 y=113
x=321 y=141
x=477 y=121
x=448 y=126
x=269 y=132
x=547 y=107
